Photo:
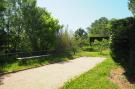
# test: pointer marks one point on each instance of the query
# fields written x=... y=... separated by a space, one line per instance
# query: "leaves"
x=132 y=6
x=100 y=28
x=29 y=27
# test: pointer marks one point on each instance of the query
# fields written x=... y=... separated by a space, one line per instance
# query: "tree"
x=2 y=5
x=132 y=6
x=3 y=35
x=41 y=28
x=2 y=10
x=15 y=24
x=81 y=36
x=81 y=33
x=100 y=27
x=26 y=26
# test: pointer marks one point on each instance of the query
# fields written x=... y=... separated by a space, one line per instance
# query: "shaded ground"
x=118 y=77
x=49 y=77
x=1 y=79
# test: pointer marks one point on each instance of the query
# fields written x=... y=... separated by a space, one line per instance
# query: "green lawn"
x=97 y=78
x=31 y=63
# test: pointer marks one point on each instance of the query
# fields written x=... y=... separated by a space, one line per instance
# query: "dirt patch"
x=118 y=77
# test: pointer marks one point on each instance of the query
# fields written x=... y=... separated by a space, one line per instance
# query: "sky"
x=81 y=13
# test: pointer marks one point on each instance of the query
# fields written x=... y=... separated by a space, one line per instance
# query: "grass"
x=93 y=54
x=35 y=62
x=97 y=78
x=32 y=63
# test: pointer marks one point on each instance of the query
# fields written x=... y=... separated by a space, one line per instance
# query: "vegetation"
x=123 y=31
x=96 y=78
x=132 y=6
x=24 y=32
x=101 y=45
x=123 y=43
x=64 y=40
x=100 y=28
x=81 y=37
x=36 y=62
x=122 y=50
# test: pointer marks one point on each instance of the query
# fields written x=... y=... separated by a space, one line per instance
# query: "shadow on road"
x=1 y=80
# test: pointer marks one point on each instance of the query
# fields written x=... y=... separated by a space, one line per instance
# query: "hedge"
x=123 y=43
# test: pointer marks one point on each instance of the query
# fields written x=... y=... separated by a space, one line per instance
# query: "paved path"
x=50 y=76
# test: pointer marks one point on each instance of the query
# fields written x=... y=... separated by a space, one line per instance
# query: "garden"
x=30 y=41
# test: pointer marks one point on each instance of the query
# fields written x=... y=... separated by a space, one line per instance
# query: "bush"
x=63 y=41
x=66 y=42
x=123 y=43
x=101 y=45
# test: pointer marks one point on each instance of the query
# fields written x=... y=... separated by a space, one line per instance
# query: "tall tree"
x=48 y=30
x=41 y=28
x=13 y=24
x=2 y=10
x=3 y=35
x=27 y=27
x=99 y=27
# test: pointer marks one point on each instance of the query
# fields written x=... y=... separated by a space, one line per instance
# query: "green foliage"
x=74 y=45
x=101 y=45
x=100 y=27
x=41 y=28
x=28 y=27
x=81 y=37
x=63 y=40
x=2 y=5
x=3 y=34
x=132 y=6
x=123 y=43
x=81 y=33
x=66 y=41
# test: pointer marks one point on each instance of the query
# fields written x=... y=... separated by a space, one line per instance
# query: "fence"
x=9 y=57
x=24 y=54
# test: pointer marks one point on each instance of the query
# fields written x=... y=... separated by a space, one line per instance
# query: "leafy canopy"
x=132 y=6
x=100 y=27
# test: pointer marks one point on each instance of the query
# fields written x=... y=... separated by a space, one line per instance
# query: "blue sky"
x=81 y=13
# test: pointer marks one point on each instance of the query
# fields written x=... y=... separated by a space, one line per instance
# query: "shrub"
x=81 y=36
x=66 y=42
x=123 y=43
x=101 y=45
x=63 y=41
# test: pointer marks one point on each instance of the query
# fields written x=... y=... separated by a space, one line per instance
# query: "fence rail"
x=12 y=57
x=23 y=54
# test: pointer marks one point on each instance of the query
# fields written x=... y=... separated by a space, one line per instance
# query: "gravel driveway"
x=50 y=76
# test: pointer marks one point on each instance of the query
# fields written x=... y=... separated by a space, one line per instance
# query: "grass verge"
x=97 y=78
